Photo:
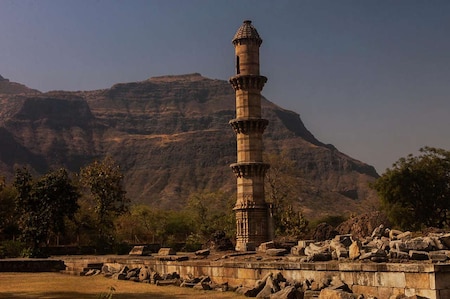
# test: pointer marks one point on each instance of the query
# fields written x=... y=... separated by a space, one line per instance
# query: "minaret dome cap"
x=247 y=31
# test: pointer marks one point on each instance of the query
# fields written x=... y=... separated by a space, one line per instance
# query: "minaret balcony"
x=250 y=169
x=247 y=82
x=246 y=126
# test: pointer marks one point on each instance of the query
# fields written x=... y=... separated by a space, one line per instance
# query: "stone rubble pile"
x=383 y=245
x=275 y=286
x=271 y=286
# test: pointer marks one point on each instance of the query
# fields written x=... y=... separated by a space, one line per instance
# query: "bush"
x=11 y=249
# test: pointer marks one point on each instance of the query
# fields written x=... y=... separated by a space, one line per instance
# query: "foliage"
x=11 y=248
x=108 y=295
x=44 y=204
x=8 y=216
x=292 y=223
x=281 y=193
x=416 y=190
x=212 y=212
x=104 y=182
x=144 y=224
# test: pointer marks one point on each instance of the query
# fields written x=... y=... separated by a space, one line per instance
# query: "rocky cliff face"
x=8 y=87
x=171 y=137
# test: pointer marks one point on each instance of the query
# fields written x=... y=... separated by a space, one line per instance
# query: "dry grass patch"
x=61 y=286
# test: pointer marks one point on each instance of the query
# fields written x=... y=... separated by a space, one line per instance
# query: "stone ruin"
x=384 y=245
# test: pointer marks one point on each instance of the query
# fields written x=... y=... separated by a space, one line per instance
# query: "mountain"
x=8 y=87
x=171 y=137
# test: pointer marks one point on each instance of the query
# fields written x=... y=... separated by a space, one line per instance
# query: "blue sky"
x=370 y=77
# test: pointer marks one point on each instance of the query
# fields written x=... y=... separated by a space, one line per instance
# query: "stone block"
x=397 y=254
x=247 y=273
x=393 y=233
x=345 y=240
x=445 y=240
x=304 y=243
x=350 y=267
x=423 y=294
x=140 y=251
x=266 y=245
x=404 y=236
x=419 y=244
x=418 y=255
x=437 y=256
x=366 y=290
x=390 y=279
x=418 y=280
x=166 y=251
x=297 y=250
x=347 y=277
x=365 y=279
x=203 y=252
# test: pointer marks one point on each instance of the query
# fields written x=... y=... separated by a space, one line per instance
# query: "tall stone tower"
x=252 y=212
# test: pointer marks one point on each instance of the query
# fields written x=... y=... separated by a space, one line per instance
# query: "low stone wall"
x=377 y=279
x=31 y=265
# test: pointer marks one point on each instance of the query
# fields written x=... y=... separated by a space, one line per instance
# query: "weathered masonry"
x=382 y=280
x=252 y=212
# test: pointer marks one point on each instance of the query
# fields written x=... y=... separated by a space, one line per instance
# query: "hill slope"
x=171 y=137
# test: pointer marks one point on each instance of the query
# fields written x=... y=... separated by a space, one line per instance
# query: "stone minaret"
x=252 y=212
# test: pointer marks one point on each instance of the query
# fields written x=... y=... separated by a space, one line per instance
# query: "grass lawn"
x=56 y=285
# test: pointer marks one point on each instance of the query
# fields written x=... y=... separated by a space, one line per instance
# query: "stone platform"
x=377 y=279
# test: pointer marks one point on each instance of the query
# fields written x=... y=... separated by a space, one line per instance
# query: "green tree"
x=44 y=204
x=281 y=188
x=415 y=192
x=212 y=212
x=104 y=182
x=8 y=215
x=143 y=224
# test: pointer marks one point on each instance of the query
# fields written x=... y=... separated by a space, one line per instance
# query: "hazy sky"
x=370 y=77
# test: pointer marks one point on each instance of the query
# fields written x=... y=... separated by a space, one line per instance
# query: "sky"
x=370 y=77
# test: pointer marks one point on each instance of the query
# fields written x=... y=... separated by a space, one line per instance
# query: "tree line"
x=90 y=208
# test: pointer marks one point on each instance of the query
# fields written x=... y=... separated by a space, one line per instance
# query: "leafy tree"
x=104 y=181
x=8 y=215
x=44 y=205
x=143 y=224
x=416 y=190
x=281 y=192
x=212 y=212
x=292 y=223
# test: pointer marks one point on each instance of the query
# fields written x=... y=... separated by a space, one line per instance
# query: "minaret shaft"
x=251 y=209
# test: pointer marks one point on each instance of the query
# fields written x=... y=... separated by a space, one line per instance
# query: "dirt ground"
x=63 y=286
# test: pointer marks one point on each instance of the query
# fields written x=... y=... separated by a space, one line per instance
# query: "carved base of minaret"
x=252 y=227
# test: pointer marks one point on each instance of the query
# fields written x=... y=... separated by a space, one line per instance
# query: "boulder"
x=354 y=251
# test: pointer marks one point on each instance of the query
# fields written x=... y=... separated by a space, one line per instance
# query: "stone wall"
x=377 y=279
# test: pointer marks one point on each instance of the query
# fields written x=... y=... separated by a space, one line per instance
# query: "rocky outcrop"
x=8 y=88
x=170 y=135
